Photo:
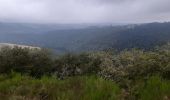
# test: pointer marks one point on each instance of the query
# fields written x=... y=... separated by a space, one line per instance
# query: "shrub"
x=33 y=62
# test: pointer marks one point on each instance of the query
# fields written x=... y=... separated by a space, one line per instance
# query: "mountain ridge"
x=143 y=36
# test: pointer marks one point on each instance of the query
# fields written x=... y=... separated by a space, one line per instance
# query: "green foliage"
x=48 y=88
x=137 y=74
x=33 y=62
x=155 y=88
x=71 y=65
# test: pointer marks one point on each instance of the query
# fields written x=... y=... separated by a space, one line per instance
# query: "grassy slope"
x=20 y=87
x=17 y=87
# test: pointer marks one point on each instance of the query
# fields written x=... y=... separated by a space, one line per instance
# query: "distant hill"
x=144 y=36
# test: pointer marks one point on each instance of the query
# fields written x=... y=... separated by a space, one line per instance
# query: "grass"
x=20 y=87
x=155 y=88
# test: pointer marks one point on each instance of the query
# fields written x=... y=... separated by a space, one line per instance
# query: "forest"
x=63 y=39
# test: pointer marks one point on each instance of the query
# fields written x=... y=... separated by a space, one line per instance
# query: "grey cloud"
x=84 y=11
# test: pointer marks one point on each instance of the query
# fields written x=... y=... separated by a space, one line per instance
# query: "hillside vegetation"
x=63 y=40
x=127 y=75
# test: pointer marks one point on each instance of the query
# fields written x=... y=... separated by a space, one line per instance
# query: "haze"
x=84 y=11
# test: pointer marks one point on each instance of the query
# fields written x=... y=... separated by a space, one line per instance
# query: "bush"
x=33 y=62
x=71 y=65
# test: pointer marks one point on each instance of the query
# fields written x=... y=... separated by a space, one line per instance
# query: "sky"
x=85 y=11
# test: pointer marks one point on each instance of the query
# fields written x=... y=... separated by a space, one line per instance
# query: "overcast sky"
x=84 y=11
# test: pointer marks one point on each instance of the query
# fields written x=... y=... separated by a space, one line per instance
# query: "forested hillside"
x=37 y=74
x=84 y=49
x=143 y=36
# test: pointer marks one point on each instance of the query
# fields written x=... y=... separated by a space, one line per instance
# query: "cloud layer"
x=84 y=11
